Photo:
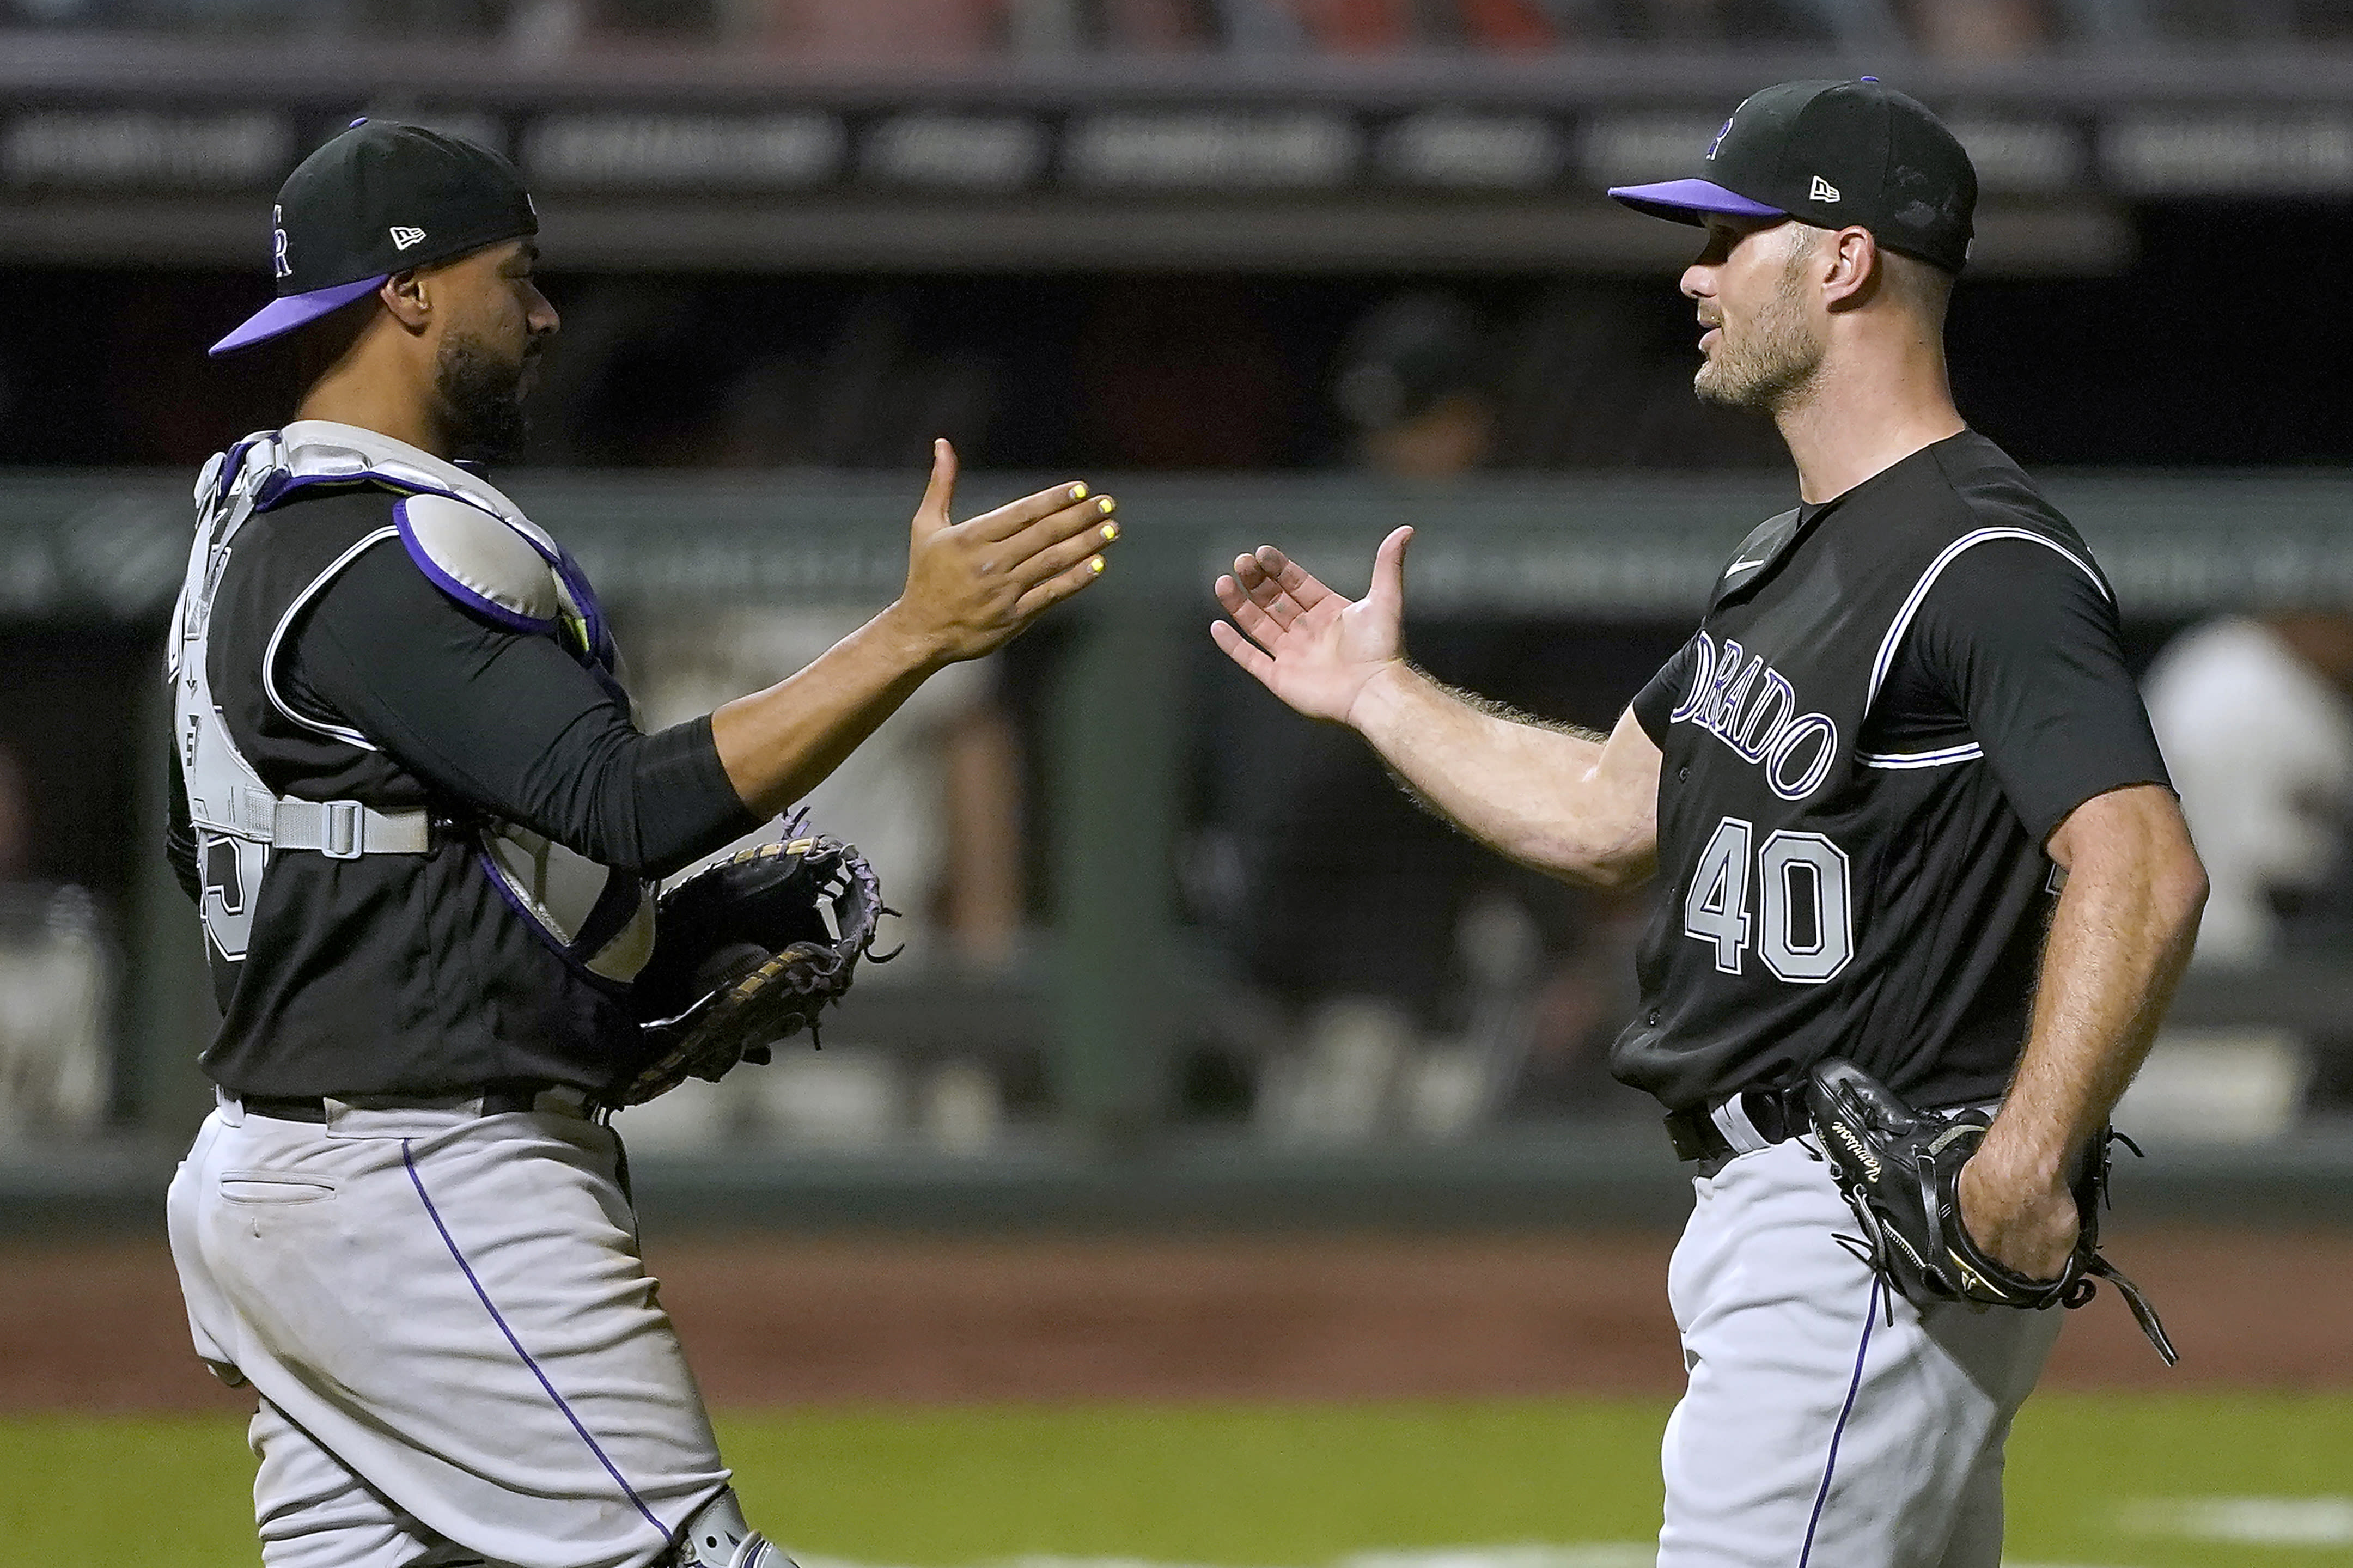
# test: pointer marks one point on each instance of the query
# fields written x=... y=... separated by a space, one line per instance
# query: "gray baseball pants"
x=1814 y=1432
x=458 y=1351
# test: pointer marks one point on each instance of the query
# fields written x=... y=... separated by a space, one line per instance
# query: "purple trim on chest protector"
x=610 y=915
x=274 y=491
x=1854 y=1386
x=601 y=649
x=601 y=653
x=418 y=1181
x=572 y=954
x=480 y=603
x=232 y=465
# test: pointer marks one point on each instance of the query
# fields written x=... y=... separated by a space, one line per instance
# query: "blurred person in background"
x=1111 y=26
x=934 y=795
x=1384 y=934
x=1415 y=386
x=54 y=975
x=935 y=32
x=2255 y=715
x=935 y=792
x=1980 y=29
x=673 y=377
x=1446 y=992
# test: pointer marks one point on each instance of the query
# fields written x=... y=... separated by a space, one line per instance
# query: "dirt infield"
x=791 y=1319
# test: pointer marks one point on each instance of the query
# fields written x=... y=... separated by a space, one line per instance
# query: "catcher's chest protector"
x=473 y=544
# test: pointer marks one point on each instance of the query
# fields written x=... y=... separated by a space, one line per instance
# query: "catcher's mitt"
x=749 y=950
x=1900 y=1172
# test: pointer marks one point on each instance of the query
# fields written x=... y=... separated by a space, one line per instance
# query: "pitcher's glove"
x=1900 y=1172
x=749 y=950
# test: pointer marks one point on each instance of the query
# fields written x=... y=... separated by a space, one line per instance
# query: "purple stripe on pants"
x=1830 y=1465
x=418 y=1181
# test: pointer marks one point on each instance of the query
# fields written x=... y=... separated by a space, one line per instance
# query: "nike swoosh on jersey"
x=1745 y=565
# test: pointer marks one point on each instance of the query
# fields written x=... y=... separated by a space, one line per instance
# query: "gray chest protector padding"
x=474 y=545
x=481 y=560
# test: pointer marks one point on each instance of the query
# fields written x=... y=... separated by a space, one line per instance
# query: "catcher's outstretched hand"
x=974 y=585
x=1312 y=648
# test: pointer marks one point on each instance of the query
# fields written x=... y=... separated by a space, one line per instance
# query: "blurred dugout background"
x=1296 y=269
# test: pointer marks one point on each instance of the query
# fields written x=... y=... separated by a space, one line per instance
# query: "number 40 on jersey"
x=1803 y=927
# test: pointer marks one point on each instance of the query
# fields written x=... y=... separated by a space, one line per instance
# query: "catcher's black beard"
x=480 y=398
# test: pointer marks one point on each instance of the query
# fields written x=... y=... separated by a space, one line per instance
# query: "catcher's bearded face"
x=489 y=354
x=1761 y=345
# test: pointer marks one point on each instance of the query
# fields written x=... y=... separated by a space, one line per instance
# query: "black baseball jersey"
x=405 y=973
x=1893 y=698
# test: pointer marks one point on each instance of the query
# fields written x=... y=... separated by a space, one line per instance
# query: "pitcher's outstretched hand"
x=1309 y=646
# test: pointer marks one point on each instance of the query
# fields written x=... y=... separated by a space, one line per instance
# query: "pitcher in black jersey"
x=1902 y=806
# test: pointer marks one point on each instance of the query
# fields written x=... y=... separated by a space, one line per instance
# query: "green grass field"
x=2117 y=1481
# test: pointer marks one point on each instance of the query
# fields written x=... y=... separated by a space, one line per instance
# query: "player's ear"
x=1851 y=272
x=406 y=296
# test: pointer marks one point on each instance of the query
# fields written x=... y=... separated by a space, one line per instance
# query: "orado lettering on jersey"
x=1752 y=707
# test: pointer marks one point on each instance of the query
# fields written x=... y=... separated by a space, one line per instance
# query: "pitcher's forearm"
x=2120 y=939
x=778 y=744
x=1538 y=794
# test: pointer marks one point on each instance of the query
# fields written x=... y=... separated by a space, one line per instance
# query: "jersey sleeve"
x=2025 y=642
x=1664 y=692
x=508 y=723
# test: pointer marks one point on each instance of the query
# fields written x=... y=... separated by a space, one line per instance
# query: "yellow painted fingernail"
x=1110 y=531
x=1078 y=492
x=1105 y=504
x=1094 y=565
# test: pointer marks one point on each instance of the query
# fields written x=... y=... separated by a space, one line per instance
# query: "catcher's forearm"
x=1563 y=802
x=778 y=744
x=2119 y=940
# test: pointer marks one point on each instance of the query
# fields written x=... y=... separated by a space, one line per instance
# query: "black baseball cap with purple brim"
x=379 y=199
x=1832 y=153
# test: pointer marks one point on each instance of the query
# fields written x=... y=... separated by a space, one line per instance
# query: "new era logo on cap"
x=1820 y=191
x=402 y=238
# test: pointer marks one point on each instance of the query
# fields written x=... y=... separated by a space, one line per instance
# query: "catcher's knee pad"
x=717 y=1537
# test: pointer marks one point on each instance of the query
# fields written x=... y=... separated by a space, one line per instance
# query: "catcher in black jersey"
x=1921 y=878
x=422 y=827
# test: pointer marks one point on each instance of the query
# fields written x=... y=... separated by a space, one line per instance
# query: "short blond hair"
x=1923 y=285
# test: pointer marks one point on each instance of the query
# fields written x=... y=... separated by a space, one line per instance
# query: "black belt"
x=498 y=1099
x=1775 y=1113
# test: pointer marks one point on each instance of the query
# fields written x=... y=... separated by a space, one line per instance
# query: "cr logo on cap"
x=278 y=261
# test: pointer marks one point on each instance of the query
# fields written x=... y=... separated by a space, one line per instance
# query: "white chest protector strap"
x=473 y=544
x=339 y=829
x=345 y=831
